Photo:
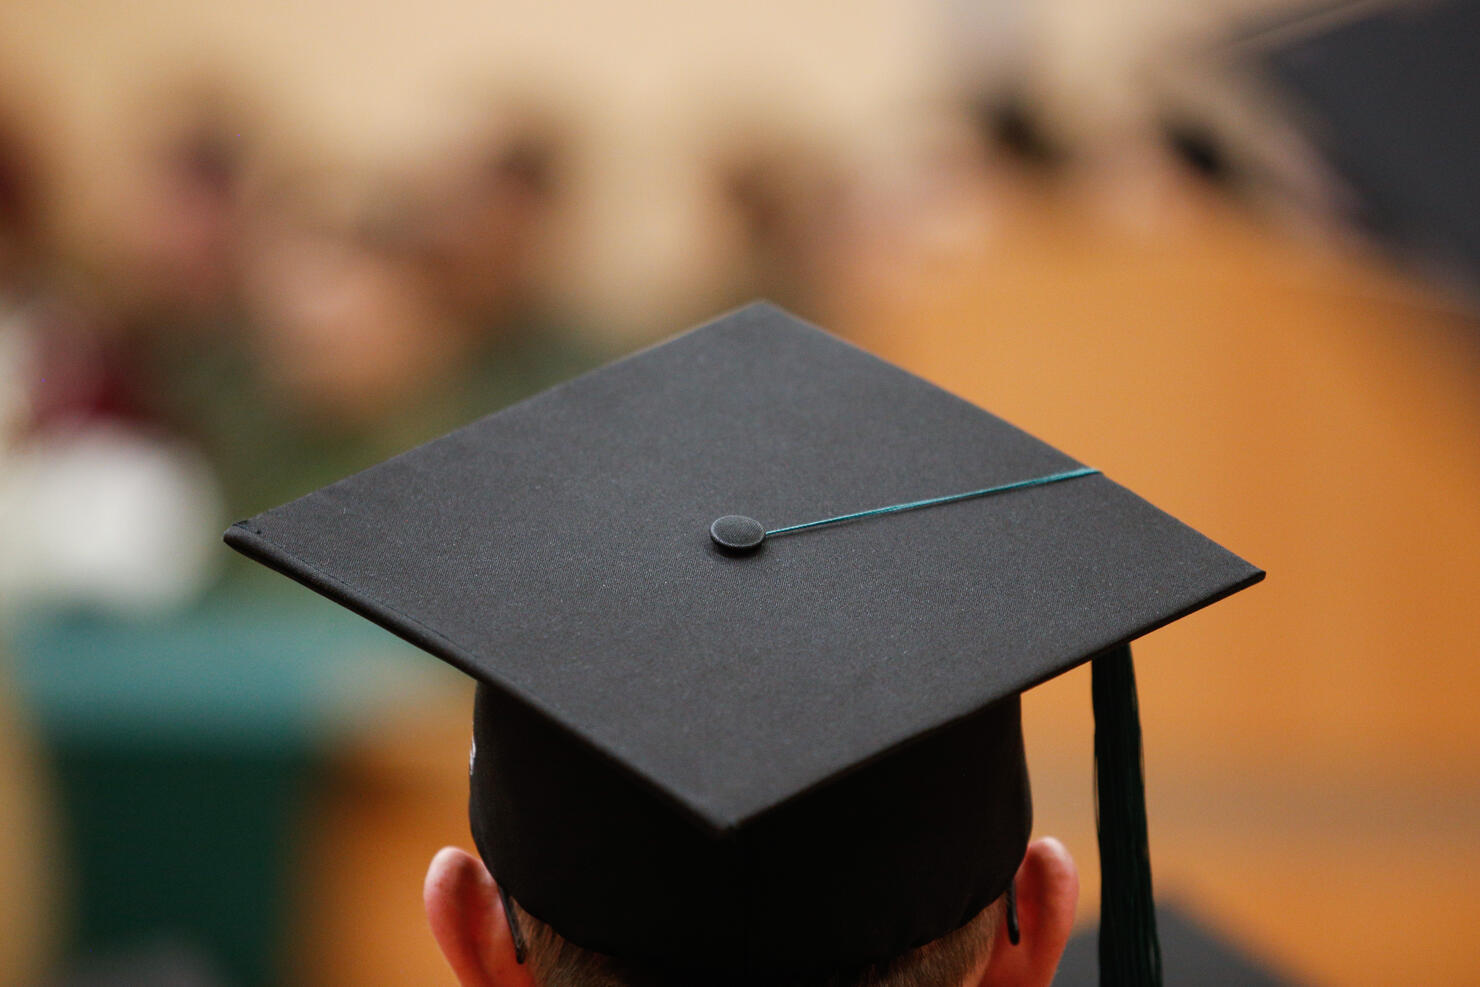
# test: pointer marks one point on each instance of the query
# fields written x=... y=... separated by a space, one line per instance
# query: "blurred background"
x=1225 y=251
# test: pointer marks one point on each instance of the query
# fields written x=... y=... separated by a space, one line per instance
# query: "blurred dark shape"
x=20 y=205
x=529 y=161
x=1199 y=146
x=1010 y=122
x=184 y=245
x=790 y=203
x=1193 y=955
x=488 y=226
x=165 y=964
x=83 y=371
x=210 y=161
x=1391 y=96
x=17 y=184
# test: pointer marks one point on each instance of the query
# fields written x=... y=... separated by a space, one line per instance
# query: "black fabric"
x=714 y=709
x=856 y=870
x=1129 y=950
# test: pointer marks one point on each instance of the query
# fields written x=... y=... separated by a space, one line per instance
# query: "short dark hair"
x=556 y=962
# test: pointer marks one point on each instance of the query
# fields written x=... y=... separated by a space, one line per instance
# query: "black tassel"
x=516 y=931
x=1130 y=953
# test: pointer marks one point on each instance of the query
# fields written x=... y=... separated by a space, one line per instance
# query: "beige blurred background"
x=245 y=249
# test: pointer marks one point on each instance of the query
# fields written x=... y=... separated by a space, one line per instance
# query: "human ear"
x=1047 y=891
x=467 y=920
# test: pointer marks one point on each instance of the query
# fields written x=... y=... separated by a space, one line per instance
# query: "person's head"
x=709 y=744
x=467 y=919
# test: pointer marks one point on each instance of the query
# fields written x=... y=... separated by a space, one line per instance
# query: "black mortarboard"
x=797 y=757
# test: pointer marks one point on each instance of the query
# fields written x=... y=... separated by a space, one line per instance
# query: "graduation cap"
x=750 y=613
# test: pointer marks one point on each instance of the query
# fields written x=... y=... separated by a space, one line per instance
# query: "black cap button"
x=737 y=534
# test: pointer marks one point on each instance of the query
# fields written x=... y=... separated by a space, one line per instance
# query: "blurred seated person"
x=793 y=207
x=381 y=314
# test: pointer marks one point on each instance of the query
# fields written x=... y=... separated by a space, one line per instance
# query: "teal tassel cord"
x=915 y=505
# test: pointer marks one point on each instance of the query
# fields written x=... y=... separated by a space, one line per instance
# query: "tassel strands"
x=1130 y=952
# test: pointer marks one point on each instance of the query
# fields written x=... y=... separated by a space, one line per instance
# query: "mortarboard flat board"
x=768 y=758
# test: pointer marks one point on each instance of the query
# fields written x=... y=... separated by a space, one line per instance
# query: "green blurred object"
x=184 y=750
x=268 y=451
